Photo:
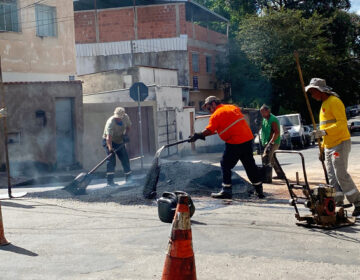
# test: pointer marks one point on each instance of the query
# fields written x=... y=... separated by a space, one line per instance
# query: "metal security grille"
x=167 y=130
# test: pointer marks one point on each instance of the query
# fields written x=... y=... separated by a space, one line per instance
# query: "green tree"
x=309 y=7
x=271 y=39
x=234 y=10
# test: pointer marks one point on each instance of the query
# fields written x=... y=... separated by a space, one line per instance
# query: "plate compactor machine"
x=320 y=200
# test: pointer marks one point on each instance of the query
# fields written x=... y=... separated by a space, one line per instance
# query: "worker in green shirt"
x=270 y=139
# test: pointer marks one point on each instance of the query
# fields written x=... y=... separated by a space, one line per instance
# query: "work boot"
x=128 y=177
x=259 y=191
x=111 y=184
x=356 y=211
x=225 y=193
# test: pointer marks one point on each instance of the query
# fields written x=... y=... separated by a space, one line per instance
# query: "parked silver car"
x=285 y=143
x=309 y=137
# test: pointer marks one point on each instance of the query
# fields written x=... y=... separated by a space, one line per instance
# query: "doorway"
x=65 y=148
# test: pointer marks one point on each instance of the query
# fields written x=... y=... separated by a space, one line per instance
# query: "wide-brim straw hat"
x=320 y=84
x=119 y=112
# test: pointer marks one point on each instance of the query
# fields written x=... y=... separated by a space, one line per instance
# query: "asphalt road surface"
x=240 y=239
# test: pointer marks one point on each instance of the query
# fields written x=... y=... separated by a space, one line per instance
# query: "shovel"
x=152 y=177
x=81 y=181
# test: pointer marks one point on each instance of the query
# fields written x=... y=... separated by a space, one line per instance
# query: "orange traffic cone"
x=3 y=240
x=180 y=261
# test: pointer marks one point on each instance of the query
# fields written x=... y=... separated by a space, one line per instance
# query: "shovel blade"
x=79 y=184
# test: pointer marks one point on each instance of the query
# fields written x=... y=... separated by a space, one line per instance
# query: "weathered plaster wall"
x=38 y=141
x=27 y=57
x=95 y=116
x=171 y=60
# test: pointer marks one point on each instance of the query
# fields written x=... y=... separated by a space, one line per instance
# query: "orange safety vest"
x=229 y=123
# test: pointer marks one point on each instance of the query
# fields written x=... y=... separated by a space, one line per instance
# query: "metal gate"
x=167 y=130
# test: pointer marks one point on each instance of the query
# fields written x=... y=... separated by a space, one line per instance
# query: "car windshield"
x=289 y=120
x=356 y=123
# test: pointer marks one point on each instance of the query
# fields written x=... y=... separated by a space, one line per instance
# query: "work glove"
x=196 y=136
x=322 y=155
x=318 y=134
x=3 y=113
x=126 y=138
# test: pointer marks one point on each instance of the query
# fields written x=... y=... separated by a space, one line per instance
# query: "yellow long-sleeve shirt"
x=333 y=121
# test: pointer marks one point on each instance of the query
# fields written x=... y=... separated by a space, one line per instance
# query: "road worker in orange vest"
x=229 y=123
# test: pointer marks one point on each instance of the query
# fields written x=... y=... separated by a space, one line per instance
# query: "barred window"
x=46 y=25
x=9 y=20
x=195 y=62
x=208 y=64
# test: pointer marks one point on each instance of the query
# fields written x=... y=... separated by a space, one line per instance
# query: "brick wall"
x=204 y=78
x=157 y=22
x=204 y=34
x=116 y=25
x=85 y=27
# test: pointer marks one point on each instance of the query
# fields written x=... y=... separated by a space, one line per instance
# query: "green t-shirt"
x=266 y=130
x=116 y=130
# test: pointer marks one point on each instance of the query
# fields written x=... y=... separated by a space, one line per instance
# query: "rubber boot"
x=110 y=183
x=128 y=177
x=225 y=193
x=259 y=191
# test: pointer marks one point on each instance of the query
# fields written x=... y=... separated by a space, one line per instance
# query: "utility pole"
x=2 y=93
x=96 y=23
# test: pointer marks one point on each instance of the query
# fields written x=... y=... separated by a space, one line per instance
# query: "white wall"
x=213 y=140
x=115 y=96
x=158 y=76
x=183 y=121
x=167 y=97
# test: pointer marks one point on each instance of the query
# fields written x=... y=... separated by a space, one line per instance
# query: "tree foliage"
x=309 y=7
x=327 y=47
x=263 y=37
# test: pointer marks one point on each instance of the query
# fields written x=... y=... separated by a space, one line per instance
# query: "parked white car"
x=293 y=124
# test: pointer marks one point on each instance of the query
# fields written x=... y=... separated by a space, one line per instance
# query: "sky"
x=355 y=6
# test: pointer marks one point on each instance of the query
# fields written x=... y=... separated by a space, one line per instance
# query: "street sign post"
x=139 y=92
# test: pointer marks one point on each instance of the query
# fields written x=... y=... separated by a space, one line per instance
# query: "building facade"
x=38 y=66
x=166 y=34
x=37 y=40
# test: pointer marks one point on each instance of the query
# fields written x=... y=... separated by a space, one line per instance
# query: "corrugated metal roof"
x=139 y=46
x=43 y=82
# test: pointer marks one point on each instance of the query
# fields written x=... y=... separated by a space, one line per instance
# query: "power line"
x=25 y=7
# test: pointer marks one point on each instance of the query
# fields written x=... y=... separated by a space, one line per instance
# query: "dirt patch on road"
x=195 y=178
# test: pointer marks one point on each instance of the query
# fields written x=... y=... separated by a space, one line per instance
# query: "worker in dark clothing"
x=114 y=139
x=229 y=123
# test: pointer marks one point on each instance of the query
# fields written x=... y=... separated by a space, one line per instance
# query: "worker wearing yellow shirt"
x=336 y=143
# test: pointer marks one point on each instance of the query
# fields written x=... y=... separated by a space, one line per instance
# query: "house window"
x=45 y=21
x=195 y=62
x=195 y=83
x=208 y=64
x=9 y=16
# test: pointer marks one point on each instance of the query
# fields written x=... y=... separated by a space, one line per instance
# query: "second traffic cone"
x=3 y=240
x=180 y=260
